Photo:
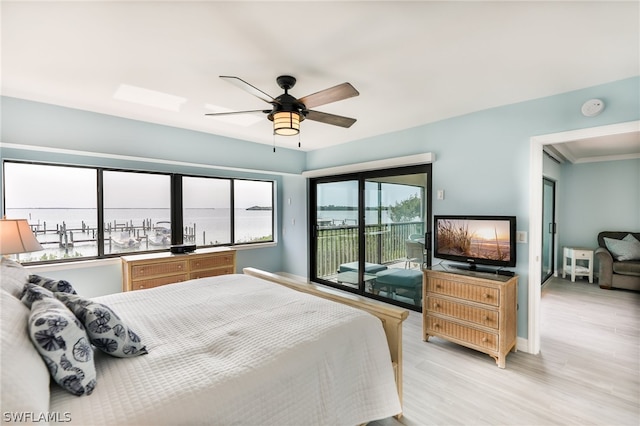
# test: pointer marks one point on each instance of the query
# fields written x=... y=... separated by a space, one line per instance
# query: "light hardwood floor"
x=587 y=372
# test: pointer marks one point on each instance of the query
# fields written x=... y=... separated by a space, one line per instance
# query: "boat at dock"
x=125 y=240
x=161 y=234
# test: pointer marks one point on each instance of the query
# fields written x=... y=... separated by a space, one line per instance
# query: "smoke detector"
x=592 y=107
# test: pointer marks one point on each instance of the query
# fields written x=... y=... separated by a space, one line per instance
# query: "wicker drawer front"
x=211 y=262
x=156 y=282
x=439 y=326
x=485 y=317
x=212 y=272
x=475 y=293
x=161 y=268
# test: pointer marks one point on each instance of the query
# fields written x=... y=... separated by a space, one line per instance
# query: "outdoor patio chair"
x=414 y=252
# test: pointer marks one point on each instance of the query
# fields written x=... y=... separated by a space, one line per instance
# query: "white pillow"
x=23 y=374
x=627 y=248
x=13 y=276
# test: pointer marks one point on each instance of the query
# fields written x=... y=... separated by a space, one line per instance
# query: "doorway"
x=535 y=213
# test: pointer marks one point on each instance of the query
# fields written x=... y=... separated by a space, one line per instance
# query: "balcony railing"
x=384 y=244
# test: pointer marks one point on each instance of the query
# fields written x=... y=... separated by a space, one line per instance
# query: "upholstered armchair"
x=618 y=260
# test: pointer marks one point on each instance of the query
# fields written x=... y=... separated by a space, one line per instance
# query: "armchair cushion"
x=627 y=268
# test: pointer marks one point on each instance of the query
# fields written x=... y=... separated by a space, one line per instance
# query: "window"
x=206 y=210
x=136 y=212
x=60 y=204
x=253 y=211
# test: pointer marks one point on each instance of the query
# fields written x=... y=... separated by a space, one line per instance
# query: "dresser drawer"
x=156 y=282
x=152 y=269
x=485 y=317
x=212 y=272
x=459 y=290
x=156 y=269
x=439 y=326
x=211 y=262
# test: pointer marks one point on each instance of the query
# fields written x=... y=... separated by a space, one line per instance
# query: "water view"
x=72 y=232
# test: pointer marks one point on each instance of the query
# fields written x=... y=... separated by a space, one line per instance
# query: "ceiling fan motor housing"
x=287 y=103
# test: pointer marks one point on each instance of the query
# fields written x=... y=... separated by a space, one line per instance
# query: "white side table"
x=575 y=254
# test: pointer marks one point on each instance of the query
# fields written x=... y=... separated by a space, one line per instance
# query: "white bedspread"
x=237 y=350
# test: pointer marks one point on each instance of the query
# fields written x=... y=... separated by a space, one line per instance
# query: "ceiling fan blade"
x=336 y=120
x=238 y=112
x=249 y=88
x=332 y=94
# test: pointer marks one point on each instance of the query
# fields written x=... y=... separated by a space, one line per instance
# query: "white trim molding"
x=387 y=163
x=64 y=151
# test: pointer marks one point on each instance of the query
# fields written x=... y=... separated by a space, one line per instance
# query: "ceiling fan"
x=287 y=112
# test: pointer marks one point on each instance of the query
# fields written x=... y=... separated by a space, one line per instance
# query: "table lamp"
x=17 y=237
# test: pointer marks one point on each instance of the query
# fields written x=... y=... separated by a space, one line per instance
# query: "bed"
x=252 y=348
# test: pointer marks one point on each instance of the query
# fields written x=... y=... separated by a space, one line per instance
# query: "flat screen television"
x=475 y=240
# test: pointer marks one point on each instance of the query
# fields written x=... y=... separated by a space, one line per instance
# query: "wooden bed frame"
x=391 y=316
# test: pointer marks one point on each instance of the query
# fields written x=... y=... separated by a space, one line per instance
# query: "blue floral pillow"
x=33 y=292
x=105 y=329
x=64 y=346
x=51 y=284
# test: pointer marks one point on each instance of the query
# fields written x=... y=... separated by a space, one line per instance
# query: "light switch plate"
x=521 y=236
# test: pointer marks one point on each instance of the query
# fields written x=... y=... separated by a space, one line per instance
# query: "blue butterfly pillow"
x=51 y=284
x=63 y=344
x=105 y=328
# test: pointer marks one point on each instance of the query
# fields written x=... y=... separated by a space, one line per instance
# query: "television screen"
x=476 y=240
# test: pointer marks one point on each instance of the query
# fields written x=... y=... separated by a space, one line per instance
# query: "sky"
x=346 y=193
x=46 y=186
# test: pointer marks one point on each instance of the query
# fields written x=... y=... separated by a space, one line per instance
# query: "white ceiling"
x=412 y=62
x=602 y=148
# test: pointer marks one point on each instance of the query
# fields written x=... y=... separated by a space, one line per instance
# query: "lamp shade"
x=16 y=237
x=286 y=123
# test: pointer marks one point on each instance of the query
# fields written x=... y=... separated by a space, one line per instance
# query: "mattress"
x=238 y=350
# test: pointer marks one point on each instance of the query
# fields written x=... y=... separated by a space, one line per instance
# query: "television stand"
x=471 y=310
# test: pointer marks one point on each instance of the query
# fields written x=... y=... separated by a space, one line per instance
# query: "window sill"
x=78 y=264
x=254 y=246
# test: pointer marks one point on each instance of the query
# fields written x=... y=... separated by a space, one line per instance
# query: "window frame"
x=176 y=209
x=361 y=178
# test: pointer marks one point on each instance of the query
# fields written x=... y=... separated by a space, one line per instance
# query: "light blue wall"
x=117 y=142
x=90 y=279
x=294 y=225
x=591 y=198
x=602 y=196
x=33 y=123
x=482 y=158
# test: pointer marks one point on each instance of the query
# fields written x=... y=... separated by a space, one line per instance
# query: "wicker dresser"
x=477 y=310
x=156 y=269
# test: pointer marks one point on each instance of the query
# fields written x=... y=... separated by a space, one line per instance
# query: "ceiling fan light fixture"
x=286 y=123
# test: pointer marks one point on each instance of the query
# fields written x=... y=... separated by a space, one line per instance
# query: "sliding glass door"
x=368 y=233
x=548 y=228
x=336 y=232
